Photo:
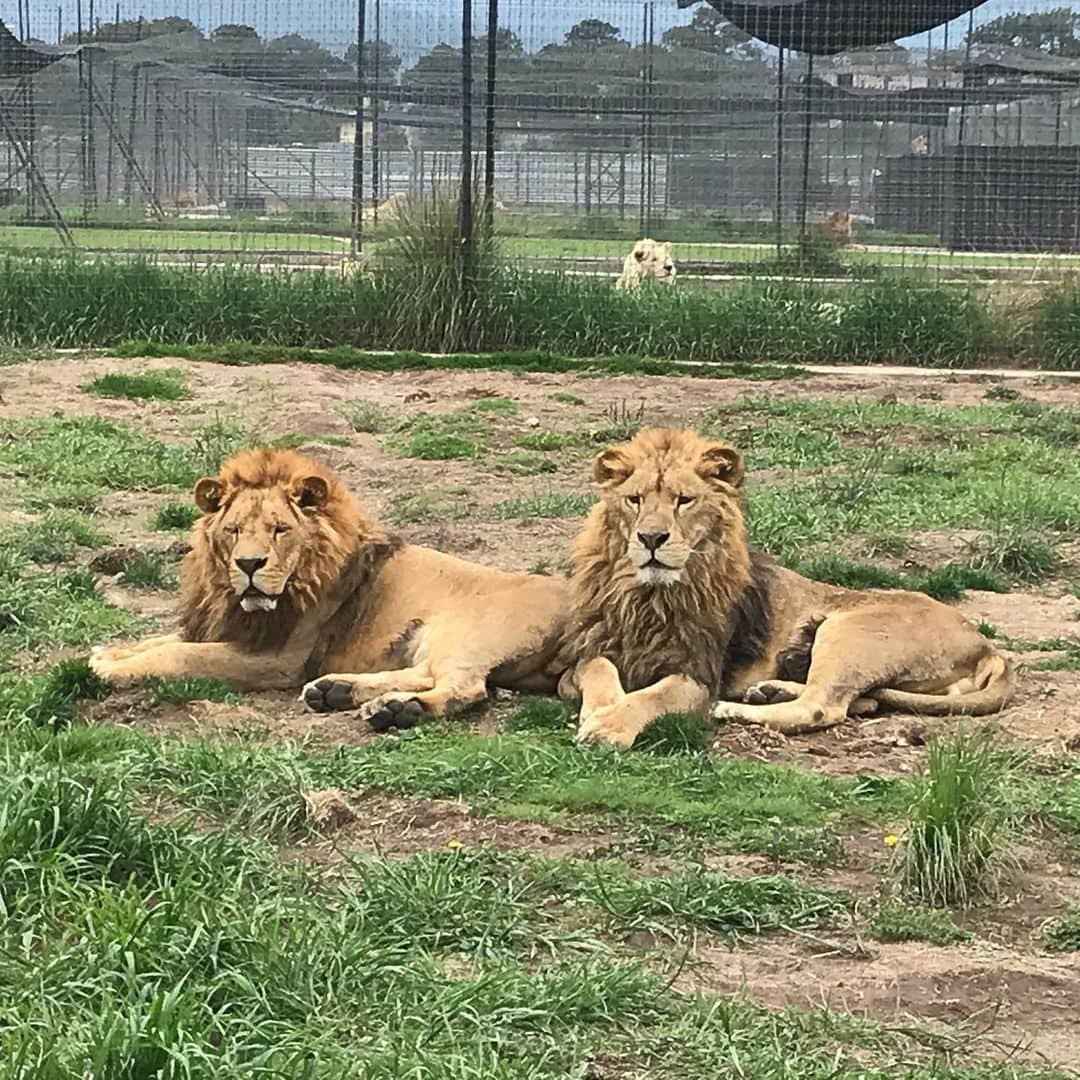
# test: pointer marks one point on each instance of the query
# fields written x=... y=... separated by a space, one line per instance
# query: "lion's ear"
x=721 y=464
x=310 y=492
x=667 y=248
x=612 y=467
x=209 y=493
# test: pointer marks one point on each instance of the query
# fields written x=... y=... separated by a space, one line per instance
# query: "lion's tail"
x=999 y=685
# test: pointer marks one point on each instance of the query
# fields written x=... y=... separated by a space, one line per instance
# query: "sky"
x=411 y=26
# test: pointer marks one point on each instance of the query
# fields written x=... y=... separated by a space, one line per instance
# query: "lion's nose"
x=250 y=566
x=654 y=540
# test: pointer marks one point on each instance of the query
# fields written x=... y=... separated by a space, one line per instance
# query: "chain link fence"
x=293 y=134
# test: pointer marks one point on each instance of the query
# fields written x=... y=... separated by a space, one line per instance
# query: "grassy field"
x=416 y=303
x=197 y=883
x=41 y=238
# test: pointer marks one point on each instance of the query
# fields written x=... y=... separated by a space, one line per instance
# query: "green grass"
x=175 y=517
x=415 y=304
x=55 y=537
x=162 y=691
x=896 y=920
x=89 y=450
x=61 y=496
x=563 y=398
x=956 y=836
x=544 y=440
x=149 y=570
x=367 y=417
x=524 y=463
x=166 y=384
x=549 y=504
x=425 y=506
x=1063 y=933
x=943 y=583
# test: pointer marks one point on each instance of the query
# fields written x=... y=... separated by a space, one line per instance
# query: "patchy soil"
x=988 y=999
x=1022 y=1002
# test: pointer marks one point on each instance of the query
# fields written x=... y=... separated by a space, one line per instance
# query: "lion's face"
x=654 y=260
x=261 y=534
x=668 y=494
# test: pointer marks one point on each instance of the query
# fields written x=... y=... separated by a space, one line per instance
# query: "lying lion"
x=649 y=259
x=287 y=581
x=673 y=609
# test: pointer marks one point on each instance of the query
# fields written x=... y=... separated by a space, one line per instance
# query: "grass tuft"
x=1063 y=933
x=898 y=921
x=676 y=733
x=166 y=384
x=175 y=517
x=956 y=834
x=163 y=691
x=367 y=417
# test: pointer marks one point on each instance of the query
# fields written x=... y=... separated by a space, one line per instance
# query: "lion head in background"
x=649 y=259
x=662 y=561
x=277 y=531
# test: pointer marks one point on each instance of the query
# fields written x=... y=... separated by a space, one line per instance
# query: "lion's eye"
x=633 y=500
x=277 y=530
x=233 y=530
x=684 y=500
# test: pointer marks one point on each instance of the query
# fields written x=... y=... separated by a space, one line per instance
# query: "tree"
x=389 y=61
x=230 y=32
x=128 y=30
x=592 y=34
x=303 y=56
x=1055 y=31
x=710 y=32
x=507 y=43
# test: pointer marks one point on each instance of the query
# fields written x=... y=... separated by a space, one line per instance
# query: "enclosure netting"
x=912 y=134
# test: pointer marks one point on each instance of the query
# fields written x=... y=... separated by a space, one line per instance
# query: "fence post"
x=489 y=118
x=466 y=204
x=358 y=136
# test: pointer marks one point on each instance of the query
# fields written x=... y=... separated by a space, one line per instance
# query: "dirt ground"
x=1000 y=986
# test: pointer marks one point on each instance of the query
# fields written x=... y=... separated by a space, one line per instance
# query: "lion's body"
x=336 y=600
x=672 y=608
x=648 y=259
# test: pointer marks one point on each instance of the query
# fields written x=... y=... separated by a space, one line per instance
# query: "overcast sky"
x=413 y=27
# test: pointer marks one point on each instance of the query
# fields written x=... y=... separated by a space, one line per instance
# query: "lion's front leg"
x=619 y=723
x=175 y=659
x=333 y=692
x=127 y=649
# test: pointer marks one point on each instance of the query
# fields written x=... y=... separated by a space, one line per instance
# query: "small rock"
x=533 y=422
x=417 y=395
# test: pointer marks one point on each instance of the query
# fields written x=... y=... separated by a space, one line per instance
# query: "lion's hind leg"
x=853 y=651
x=775 y=691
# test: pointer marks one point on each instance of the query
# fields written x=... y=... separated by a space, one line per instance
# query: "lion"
x=673 y=609
x=649 y=259
x=288 y=584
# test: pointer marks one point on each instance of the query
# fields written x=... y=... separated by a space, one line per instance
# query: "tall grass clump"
x=437 y=284
x=957 y=828
x=1056 y=327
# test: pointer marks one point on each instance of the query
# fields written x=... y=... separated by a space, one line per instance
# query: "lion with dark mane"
x=288 y=581
x=672 y=609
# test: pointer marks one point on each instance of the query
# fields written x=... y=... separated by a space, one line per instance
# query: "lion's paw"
x=386 y=712
x=609 y=725
x=110 y=670
x=768 y=693
x=734 y=711
x=328 y=695
x=110 y=654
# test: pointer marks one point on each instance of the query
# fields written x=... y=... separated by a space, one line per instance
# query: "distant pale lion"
x=649 y=259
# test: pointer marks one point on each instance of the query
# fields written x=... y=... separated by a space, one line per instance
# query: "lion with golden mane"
x=673 y=609
x=288 y=582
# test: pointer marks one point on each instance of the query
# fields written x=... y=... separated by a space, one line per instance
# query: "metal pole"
x=375 y=185
x=466 y=168
x=114 y=75
x=780 y=153
x=83 y=109
x=644 y=126
x=489 y=114
x=91 y=144
x=130 y=162
x=964 y=82
x=650 y=194
x=358 y=136
x=806 y=145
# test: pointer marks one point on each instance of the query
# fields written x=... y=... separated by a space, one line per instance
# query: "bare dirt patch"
x=1011 y=999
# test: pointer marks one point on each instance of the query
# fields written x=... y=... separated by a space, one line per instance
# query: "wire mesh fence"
x=810 y=136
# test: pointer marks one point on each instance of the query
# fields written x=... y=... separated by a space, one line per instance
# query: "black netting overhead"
x=17 y=59
x=824 y=27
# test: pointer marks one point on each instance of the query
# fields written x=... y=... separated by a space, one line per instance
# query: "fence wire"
x=295 y=133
